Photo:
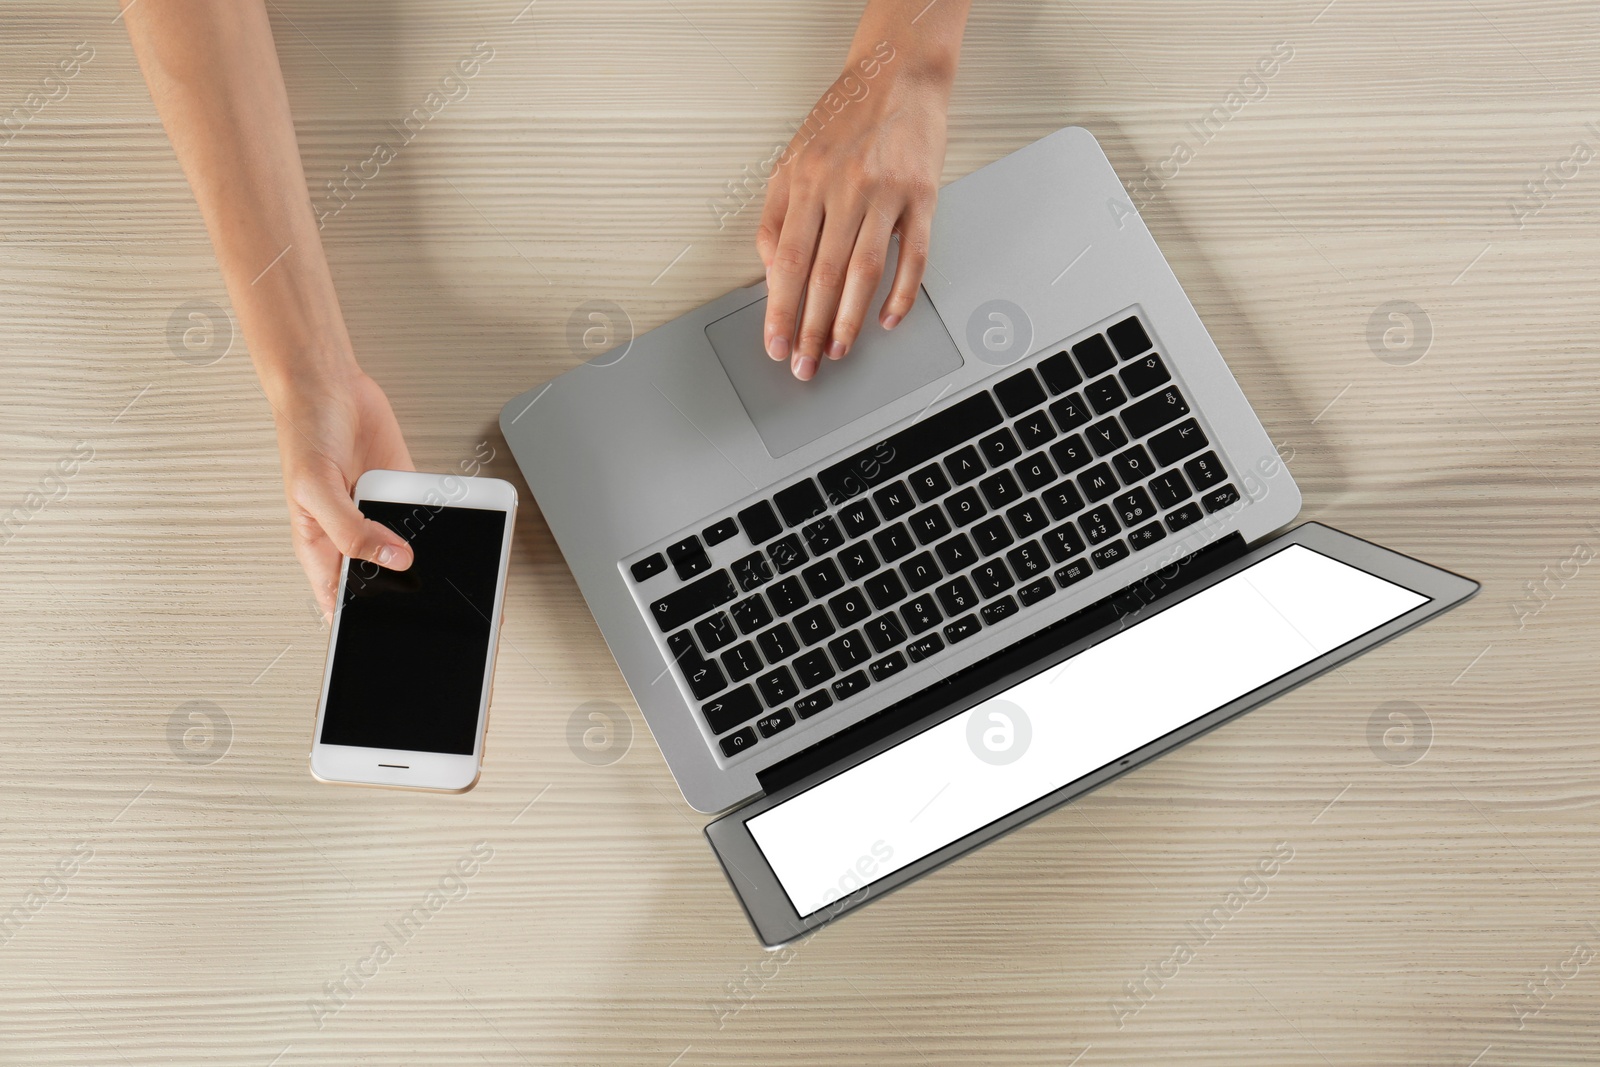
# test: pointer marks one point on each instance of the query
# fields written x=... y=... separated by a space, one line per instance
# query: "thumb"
x=352 y=533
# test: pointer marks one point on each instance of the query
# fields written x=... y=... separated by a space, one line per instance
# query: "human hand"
x=864 y=166
x=331 y=430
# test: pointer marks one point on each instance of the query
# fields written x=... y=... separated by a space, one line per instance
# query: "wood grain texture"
x=217 y=900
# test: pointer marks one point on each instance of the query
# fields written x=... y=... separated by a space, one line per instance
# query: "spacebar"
x=912 y=446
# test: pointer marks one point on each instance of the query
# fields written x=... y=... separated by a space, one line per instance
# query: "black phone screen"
x=408 y=664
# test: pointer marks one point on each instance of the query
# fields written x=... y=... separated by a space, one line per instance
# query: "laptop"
x=991 y=559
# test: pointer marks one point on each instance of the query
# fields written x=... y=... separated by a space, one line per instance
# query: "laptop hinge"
x=1006 y=666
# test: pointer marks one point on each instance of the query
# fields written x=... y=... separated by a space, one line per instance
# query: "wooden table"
x=1416 y=330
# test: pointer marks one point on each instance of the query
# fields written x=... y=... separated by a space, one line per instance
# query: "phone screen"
x=409 y=660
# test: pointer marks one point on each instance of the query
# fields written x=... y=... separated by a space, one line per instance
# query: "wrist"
x=286 y=374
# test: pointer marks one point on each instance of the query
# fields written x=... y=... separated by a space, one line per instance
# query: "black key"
x=1144 y=374
x=911 y=447
x=920 y=571
x=1205 y=471
x=1028 y=517
x=1000 y=489
x=741 y=661
x=1115 y=552
x=1169 y=488
x=1175 y=442
x=992 y=579
x=1071 y=454
x=715 y=631
x=1134 y=507
x=688 y=557
x=1000 y=448
x=1063 y=542
x=720 y=531
x=929 y=483
x=964 y=465
x=813 y=625
x=1129 y=337
x=1106 y=437
x=1094 y=355
x=992 y=535
x=893 y=542
x=888 y=666
x=885 y=589
x=921 y=613
x=1218 y=499
x=822 y=578
x=1155 y=411
x=1019 y=392
x=1072 y=573
x=997 y=610
x=1099 y=524
x=752 y=571
x=777 y=687
x=1185 y=516
x=965 y=507
x=751 y=614
x=858 y=561
x=858 y=517
x=739 y=706
x=1063 y=500
x=1097 y=482
x=649 y=567
x=929 y=525
x=681 y=643
x=812 y=703
x=1145 y=536
x=814 y=668
x=822 y=536
x=734 y=744
x=692 y=601
x=1070 y=412
x=703 y=675
x=1035 y=472
x=957 y=553
x=1034 y=592
x=961 y=629
x=850 y=650
x=788 y=596
x=1035 y=430
x=778 y=720
x=924 y=647
x=894 y=500
x=1133 y=465
x=885 y=632
x=957 y=596
x=1105 y=395
x=1059 y=373
x=799 y=502
x=849 y=607
x=760 y=522
x=787 y=553
x=1028 y=560
x=850 y=685
x=778 y=643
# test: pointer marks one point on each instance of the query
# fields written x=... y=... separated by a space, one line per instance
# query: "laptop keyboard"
x=800 y=602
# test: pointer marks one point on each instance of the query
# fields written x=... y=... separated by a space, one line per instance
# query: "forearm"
x=213 y=74
x=926 y=37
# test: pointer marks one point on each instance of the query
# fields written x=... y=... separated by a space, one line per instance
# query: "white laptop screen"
x=1069 y=720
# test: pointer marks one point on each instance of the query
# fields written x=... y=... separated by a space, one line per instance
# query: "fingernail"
x=778 y=348
x=891 y=321
x=392 y=557
x=837 y=350
x=805 y=367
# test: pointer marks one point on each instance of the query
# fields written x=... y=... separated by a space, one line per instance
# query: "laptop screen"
x=1069 y=720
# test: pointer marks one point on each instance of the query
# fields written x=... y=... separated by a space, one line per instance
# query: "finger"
x=915 y=225
x=866 y=271
x=824 y=288
x=786 y=278
x=772 y=212
x=318 y=558
x=353 y=534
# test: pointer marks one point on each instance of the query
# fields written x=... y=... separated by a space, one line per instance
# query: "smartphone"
x=410 y=669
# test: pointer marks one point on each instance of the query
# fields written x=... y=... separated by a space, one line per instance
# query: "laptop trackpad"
x=882 y=367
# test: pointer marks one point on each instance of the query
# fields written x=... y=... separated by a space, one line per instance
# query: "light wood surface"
x=210 y=903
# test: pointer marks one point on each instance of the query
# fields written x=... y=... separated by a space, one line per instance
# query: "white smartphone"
x=410 y=670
